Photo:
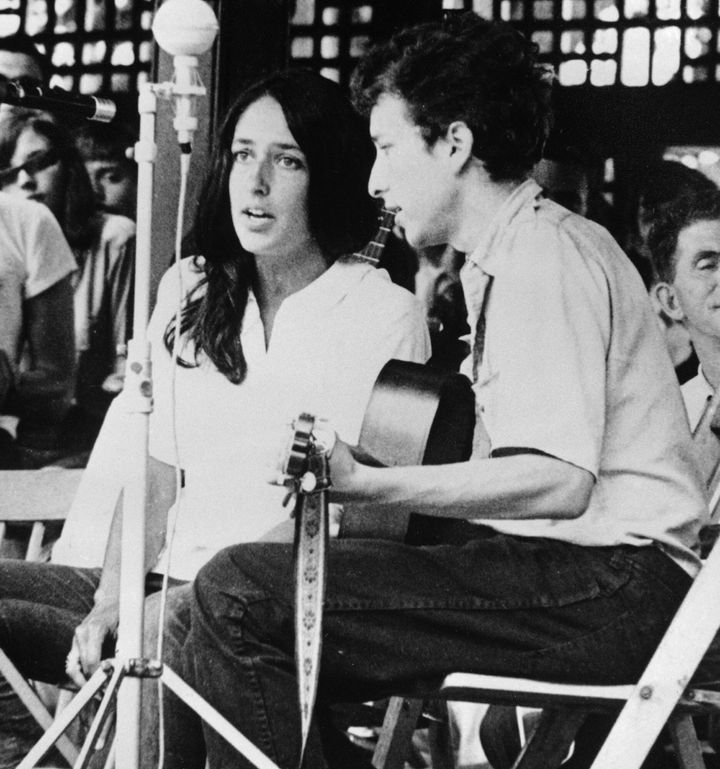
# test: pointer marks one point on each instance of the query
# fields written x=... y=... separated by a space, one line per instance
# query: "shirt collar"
x=484 y=255
x=330 y=288
x=702 y=381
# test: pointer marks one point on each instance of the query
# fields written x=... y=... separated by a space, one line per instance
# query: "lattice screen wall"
x=93 y=45
x=106 y=45
x=591 y=42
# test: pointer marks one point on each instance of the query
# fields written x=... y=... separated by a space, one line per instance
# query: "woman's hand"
x=86 y=652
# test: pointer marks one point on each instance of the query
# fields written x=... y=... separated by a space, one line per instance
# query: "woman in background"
x=39 y=161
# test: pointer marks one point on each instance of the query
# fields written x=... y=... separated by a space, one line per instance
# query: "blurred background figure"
x=662 y=185
x=20 y=59
x=23 y=62
x=573 y=178
x=665 y=184
x=565 y=181
x=106 y=150
x=39 y=161
x=36 y=321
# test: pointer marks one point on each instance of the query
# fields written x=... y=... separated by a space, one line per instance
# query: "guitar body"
x=416 y=415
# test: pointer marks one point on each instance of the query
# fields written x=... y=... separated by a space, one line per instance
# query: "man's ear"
x=460 y=141
x=666 y=297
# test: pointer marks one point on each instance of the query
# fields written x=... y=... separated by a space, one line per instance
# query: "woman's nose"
x=25 y=180
x=261 y=178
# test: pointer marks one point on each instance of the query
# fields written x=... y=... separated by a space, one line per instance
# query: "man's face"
x=18 y=66
x=697 y=277
x=114 y=186
x=415 y=180
x=15 y=66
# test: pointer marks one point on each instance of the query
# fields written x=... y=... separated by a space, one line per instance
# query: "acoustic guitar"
x=416 y=415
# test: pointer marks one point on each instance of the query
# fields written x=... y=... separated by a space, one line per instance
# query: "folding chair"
x=36 y=498
x=85 y=500
x=662 y=697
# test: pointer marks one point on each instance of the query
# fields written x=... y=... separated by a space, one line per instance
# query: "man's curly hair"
x=466 y=68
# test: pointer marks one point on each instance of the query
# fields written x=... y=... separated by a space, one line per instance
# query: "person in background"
x=106 y=150
x=36 y=324
x=684 y=244
x=21 y=60
x=39 y=161
x=662 y=184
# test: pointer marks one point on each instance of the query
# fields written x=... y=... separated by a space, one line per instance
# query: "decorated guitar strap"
x=308 y=462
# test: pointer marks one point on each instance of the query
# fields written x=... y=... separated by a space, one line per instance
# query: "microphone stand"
x=123 y=674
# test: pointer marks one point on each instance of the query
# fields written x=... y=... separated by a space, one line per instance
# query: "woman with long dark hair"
x=276 y=316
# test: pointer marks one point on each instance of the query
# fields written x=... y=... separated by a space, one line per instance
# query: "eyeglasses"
x=26 y=83
x=35 y=163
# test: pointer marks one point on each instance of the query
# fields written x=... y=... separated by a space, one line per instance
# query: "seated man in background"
x=36 y=321
x=684 y=244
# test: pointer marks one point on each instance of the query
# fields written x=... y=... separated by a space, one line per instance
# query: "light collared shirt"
x=696 y=393
x=328 y=344
x=34 y=256
x=575 y=367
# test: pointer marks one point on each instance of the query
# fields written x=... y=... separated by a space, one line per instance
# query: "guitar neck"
x=374 y=249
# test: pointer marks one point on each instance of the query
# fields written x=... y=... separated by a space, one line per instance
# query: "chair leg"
x=548 y=745
x=685 y=742
x=442 y=755
x=398 y=726
x=35 y=705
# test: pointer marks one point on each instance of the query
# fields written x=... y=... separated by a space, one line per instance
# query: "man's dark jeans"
x=399 y=617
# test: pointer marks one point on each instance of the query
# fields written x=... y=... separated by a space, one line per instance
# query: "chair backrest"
x=668 y=673
x=36 y=497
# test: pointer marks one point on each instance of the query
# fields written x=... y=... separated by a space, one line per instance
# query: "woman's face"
x=269 y=183
x=35 y=171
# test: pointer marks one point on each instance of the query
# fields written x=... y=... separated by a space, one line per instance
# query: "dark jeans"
x=41 y=604
x=400 y=617
x=40 y=607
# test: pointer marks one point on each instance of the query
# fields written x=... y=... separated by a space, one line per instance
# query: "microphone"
x=41 y=97
x=185 y=29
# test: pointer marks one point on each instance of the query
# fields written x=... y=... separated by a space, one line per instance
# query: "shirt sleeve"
x=161 y=443
x=48 y=257
x=542 y=383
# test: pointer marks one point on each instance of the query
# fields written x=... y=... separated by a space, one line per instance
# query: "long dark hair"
x=78 y=217
x=335 y=142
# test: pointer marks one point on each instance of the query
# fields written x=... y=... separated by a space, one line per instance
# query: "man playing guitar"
x=568 y=540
